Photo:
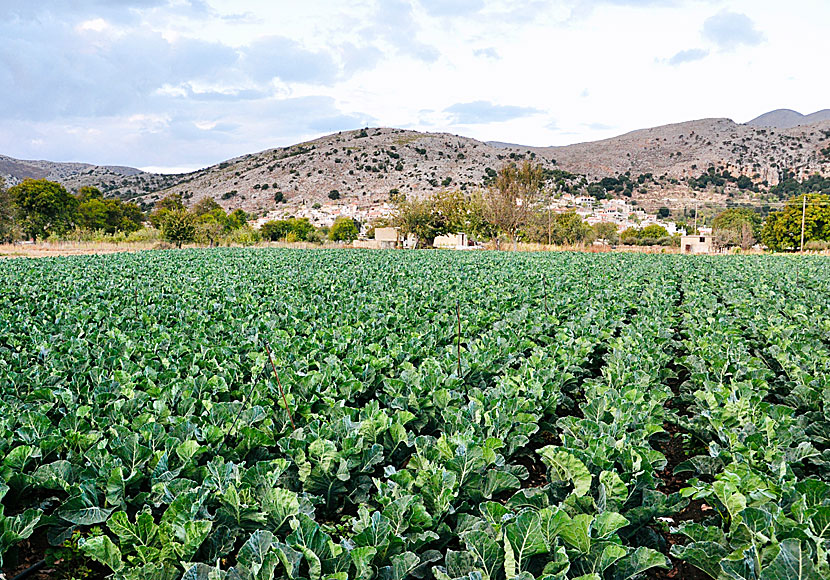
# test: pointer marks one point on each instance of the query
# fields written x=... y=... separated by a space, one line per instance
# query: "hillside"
x=787 y=119
x=364 y=167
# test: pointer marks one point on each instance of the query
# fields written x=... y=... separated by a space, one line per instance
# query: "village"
x=592 y=211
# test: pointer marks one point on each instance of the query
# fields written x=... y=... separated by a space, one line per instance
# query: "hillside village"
x=616 y=211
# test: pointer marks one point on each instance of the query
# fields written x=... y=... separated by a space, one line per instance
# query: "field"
x=443 y=415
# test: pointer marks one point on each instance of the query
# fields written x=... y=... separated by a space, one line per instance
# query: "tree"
x=511 y=202
x=418 y=217
x=343 y=230
x=178 y=227
x=7 y=221
x=43 y=207
x=334 y=194
x=608 y=232
x=204 y=206
x=736 y=227
x=275 y=230
x=568 y=228
x=663 y=213
x=107 y=215
x=172 y=202
x=292 y=229
x=782 y=230
x=653 y=231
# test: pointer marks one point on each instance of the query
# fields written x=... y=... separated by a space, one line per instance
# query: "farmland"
x=483 y=416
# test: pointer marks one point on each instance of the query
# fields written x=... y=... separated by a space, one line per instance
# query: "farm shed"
x=700 y=244
x=451 y=241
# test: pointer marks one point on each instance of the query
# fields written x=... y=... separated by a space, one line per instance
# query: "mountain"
x=113 y=180
x=366 y=167
x=787 y=119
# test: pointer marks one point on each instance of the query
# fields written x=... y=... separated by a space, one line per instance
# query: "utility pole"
x=695 y=217
x=548 y=222
x=803 y=221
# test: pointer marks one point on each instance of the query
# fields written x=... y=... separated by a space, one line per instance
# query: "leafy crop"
x=590 y=417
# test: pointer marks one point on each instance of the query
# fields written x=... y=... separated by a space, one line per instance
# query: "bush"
x=334 y=194
x=179 y=227
x=144 y=235
x=244 y=236
x=817 y=245
x=343 y=230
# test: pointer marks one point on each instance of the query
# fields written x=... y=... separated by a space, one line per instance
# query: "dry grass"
x=46 y=249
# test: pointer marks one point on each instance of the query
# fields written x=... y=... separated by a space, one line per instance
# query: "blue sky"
x=180 y=84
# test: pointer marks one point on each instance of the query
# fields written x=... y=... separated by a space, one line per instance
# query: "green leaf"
x=488 y=553
x=610 y=554
x=362 y=560
x=101 y=549
x=253 y=553
x=565 y=467
x=497 y=482
x=641 y=560
x=608 y=523
x=577 y=534
x=459 y=563
x=525 y=537
x=758 y=521
x=703 y=555
x=792 y=563
x=402 y=565
x=77 y=512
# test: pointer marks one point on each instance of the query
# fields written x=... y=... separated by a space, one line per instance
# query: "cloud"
x=286 y=59
x=489 y=52
x=689 y=55
x=728 y=30
x=451 y=7
x=482 y=112
x=599 y=127
x=394 y=23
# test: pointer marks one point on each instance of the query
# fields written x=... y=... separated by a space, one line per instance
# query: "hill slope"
x=787 y=119
x=363 y=167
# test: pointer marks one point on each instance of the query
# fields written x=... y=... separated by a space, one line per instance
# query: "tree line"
x=514 y=207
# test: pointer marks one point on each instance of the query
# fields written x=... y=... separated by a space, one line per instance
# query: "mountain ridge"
x=369 y=166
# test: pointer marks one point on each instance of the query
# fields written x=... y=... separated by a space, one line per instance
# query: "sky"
x=173 y=85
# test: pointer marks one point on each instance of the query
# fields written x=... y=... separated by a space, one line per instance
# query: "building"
x=700 y=244
x=451 y=241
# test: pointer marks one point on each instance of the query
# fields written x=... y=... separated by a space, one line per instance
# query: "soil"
x=29 y=552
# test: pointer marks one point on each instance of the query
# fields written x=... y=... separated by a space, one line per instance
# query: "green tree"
x=663 y=213
x=237 y=219
x=178 y=227
x=275 y=230
x=343 y=230
x=736 y=227
x=654 y=232
x=43 y=207
x=568 y=228
x=510 y=203
x=107 y=215
x=608 y=232
x=7 y=223
x=418 y=217
x=163 y=207
x=782 y=230
x=334 y=194
x=205 y=206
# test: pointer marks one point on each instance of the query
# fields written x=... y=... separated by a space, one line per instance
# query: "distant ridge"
x=787 y=119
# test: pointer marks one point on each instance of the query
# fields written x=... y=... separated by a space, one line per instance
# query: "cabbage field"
x=428 y=415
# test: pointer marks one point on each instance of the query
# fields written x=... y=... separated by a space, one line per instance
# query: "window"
x=702 y=239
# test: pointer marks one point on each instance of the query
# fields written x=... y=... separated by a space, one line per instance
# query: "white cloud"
x=190 y=82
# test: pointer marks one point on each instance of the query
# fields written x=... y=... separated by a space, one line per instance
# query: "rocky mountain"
x=366 y=167
x=787 y=119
